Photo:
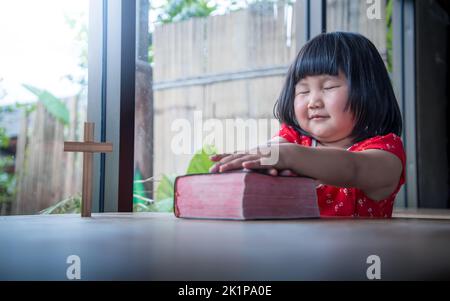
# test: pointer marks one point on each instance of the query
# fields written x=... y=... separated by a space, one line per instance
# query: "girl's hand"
x=255 y=160
x=229 y=161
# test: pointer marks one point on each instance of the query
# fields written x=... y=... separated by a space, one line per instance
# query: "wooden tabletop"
x=154 y=246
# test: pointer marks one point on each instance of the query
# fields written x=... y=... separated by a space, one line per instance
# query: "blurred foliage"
x=79 y=27
x=69 y=205
x=7 y=175
x=200 y=163
x=165 y=187
x=150 y=54
x=7 y=179
x=389 y=33
x=179 y=10
x=52 y=104
x=4 y=139
x=172 y=11
x=139 y=192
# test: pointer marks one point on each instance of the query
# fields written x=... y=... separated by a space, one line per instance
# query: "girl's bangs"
x=318 y=58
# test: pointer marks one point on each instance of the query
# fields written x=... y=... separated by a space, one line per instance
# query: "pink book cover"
x=244 y=195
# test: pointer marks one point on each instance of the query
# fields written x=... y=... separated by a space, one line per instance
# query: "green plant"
x=179 y=10
x=139 y=195
x=200 y=163
x=7 y=175
x=140 y=200
x=69 y=205
x=7 y=180
x=4 y=139
x=164 y=196
x=389 y=33
x=52 y=104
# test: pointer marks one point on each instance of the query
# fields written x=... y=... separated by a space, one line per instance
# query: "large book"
x=244 y=195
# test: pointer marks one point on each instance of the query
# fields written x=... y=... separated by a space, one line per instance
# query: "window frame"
x=111 y=97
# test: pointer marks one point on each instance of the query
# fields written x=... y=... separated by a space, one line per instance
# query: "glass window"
x=43 y=99
x=208 y=74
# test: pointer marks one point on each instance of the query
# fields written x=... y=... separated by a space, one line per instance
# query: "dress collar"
x=314 y=143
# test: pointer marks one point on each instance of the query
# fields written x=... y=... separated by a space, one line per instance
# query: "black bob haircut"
x=371 y=96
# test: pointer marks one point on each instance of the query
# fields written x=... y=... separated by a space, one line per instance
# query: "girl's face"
x=319 y=108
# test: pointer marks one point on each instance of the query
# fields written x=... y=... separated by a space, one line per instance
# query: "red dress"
x=336 y=201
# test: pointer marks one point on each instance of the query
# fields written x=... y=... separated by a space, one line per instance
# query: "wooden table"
x=152 y=246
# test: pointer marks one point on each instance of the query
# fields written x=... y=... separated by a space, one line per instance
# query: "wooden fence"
x=44 y=173
x=351 y=15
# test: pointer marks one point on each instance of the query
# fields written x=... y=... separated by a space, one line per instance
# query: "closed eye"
x=302 y=93
x=332 y=87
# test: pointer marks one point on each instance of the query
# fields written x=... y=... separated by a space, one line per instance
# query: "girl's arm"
x=375 y=172
x=330 y=166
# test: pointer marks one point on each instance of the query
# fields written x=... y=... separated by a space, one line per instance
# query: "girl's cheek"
x=298 y=105
x=301 y=111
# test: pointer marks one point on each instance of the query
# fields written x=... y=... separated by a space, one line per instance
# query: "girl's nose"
x=315 y=101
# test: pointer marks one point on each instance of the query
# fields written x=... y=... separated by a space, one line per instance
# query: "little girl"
x=340 y=124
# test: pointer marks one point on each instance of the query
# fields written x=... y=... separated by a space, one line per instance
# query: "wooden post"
x=88 y=147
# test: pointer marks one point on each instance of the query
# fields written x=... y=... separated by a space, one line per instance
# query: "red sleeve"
x=288 y=133
x=390 y=143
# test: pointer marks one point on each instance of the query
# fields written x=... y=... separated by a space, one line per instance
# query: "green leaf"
x=179 y=10
x=389 y=33
x=140 y=208
x=201 y=163
x=165 y=187
x=69 y=205
x=4 y=139
x=165 y=205
x=52 y=104
x=138 y=189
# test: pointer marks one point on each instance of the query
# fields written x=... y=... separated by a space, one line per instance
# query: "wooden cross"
x=88 y=147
